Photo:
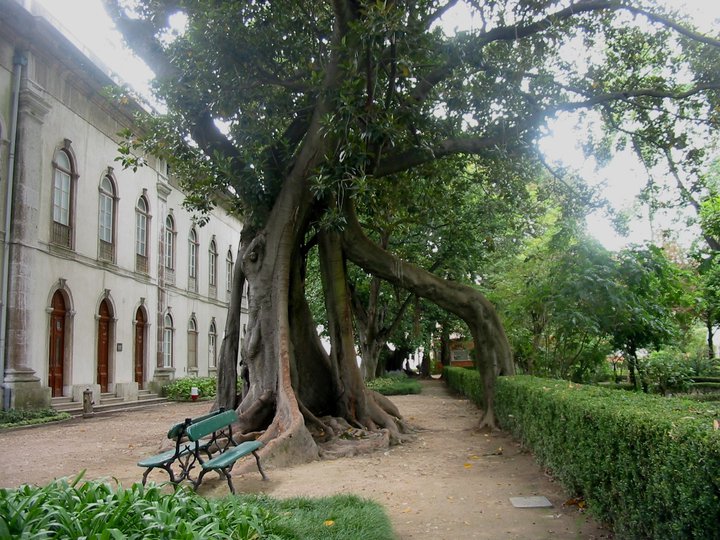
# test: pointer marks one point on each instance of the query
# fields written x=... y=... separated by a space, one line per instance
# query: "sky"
x=86 y=23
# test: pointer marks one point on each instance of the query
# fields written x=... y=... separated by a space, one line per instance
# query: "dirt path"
x=449 y=482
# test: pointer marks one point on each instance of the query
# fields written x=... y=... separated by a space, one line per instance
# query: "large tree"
x=295 y=108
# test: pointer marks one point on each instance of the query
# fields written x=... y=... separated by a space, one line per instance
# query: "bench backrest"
x=178 y=430
x=198 y=430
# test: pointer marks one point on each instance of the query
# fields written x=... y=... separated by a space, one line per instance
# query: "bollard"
x=88 y=403
x=194 y=393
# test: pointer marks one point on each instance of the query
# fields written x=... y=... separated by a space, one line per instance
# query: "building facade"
x=109 y=283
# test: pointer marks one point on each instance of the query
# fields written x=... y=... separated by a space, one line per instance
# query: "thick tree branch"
x=403 y=161
x=458 y=54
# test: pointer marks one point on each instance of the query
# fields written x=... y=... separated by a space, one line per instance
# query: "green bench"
x=216 y=432
x=203 y=435
x=182 y=455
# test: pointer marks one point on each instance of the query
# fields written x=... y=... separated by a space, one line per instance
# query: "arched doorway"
x=103 y=354
x=56 y=360
x=140 y=324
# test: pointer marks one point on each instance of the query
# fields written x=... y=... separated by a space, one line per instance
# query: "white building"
x=110 y=284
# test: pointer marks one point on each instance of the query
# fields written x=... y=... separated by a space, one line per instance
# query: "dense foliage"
x=96 y=511
x=181 y=389
x=26 y=417
x=645 y=464
x=395 y=385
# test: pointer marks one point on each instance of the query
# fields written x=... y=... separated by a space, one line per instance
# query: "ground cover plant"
x=21 y=417
x=395 y=385
x=645 y=464
x=97 y=511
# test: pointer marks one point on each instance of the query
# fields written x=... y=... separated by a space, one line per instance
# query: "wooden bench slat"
x=169 y=455
x=178 y=429
x=232 y=454
x=198 y=430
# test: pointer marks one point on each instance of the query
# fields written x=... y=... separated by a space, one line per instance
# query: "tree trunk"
x=710 y=334
x=493 y=349
x=351 y=402
x=227 y=374
x=445 y=352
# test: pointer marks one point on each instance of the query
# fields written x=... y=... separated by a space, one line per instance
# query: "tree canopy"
x=317 y=116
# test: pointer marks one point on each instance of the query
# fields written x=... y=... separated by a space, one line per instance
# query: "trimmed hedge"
x=647 y=465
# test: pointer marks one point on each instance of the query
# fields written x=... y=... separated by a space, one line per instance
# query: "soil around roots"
x=448 y=481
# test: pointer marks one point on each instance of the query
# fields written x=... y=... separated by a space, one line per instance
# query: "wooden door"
x=103 y=346
x=56 y=360
x=140 y=348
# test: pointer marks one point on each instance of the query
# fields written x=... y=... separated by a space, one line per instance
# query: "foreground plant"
x=97 y=511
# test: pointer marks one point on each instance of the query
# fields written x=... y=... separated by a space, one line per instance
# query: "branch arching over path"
x=491 y=345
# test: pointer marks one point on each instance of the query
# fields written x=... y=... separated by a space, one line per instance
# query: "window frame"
x=193 y=245
x=192 y=337
x=106 y=247
x=142 y=214
x=168 y=341
x=229 y=268
x=212 y=267
x=62 y=206
x=212 y=345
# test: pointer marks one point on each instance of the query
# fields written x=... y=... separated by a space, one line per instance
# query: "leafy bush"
x=23 y=417
x=466 y=382
x=667 y=370
x=646 y=464
x=395 y=384
x=180 y=389
x=94 y=510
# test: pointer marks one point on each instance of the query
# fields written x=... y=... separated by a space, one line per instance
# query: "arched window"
x=168 y=341
x=212 y=268
x=106 y=229
x=192 y=340
x=212 y=343
x=228 y=271
x=63 y=187
x=142 y=218
x=169 y=252
x=192 y=259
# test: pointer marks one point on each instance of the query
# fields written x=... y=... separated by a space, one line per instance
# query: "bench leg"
x=167 y=469
x=257 y=460
x=221 y=472
x=228 y=476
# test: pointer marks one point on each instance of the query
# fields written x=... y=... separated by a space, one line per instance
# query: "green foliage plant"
x=29 y=417
x=96 y=511
x=645 y=464
x=395 y=385
x=180 y=389
x=668 y=370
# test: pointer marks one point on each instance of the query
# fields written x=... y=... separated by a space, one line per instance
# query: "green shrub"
x=705 y=387
x=94 y=510
x=395 y=385
x=466 y=382
x=647 y=465
x=23 y=417
x=706 y=379
x=179 y=389
x=667 y=370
